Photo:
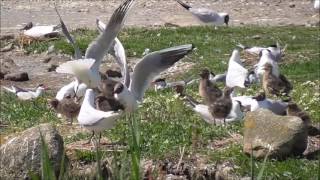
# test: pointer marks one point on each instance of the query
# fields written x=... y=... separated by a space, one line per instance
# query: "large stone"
x=283 y=135
x=7 y=65
x=18 y=76
x=22 y=154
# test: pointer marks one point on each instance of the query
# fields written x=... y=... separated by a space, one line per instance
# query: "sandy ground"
x=80 y=13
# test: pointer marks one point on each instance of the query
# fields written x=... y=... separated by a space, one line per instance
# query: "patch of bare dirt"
x=82 y=13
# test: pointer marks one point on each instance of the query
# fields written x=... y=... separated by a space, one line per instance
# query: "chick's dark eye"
x=118 y=88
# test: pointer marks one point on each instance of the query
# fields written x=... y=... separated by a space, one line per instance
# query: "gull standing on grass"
x=275 y=50
x=24 y=94
x=207 y=15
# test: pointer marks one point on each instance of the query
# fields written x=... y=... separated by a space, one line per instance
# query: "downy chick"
x=207 y=90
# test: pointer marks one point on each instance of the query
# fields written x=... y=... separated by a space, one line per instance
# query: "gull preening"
x=24 y=94
x=207 y=15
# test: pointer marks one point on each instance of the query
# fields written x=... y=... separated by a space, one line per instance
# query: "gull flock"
x=97 y=100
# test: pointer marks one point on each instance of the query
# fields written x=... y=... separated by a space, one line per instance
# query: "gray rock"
x=7 y=65
x=7 y=48
x=22 y=153
x=19 y=76
x=285 y=135
x=6 y=37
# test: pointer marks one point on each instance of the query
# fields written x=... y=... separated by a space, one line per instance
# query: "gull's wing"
x=100 y=46
x=184 y=5
x=83 y=71
x=121 y=60
x=152 y=65
x=218 y=78
x=118 y=53
x=100 y=25
x=77 y=52
x=75 y=66
x=88 y=115
x=236 y=74
x=66 y=90
x=25 y=95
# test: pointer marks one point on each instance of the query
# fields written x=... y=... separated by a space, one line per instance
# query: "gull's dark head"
x=54 y=103
x=226 y=19
x=205 y=74
x=159 y=80
x=228 y=90
x=28 y=26
x=118 y=88
x=113 y=73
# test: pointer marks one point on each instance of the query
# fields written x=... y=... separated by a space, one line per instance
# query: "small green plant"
x=47 y=171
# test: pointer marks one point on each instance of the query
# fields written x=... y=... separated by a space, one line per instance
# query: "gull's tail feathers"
x=71 y=67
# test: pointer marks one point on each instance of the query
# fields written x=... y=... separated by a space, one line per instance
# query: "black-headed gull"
x=41 y=31
x=207 y=15
x=87 y=70
x=25 y=94
x=208 y=90
x=316 y=5
x=266 y=57
x=93 y=119
x=236 y=74
x=274 y=49
x=235 y=113
x=275 y=85
x=161 y=84
x=118 y=52
x=77 y=52
x=276 y=106
x=145 y=71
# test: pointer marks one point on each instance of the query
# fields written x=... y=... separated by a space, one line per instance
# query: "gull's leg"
x=214 y=121
x=99 y=137
x=224 y=121
x=90 y=138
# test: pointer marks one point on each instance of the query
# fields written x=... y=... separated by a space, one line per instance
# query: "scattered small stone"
x=256 y=37
x=53 y=67
x=50 y=49
x=7 y=48
x=19 y=76
x=47 y=59
x=292 y=5
x=7 y=65
x=22 y=154
x=281 y=135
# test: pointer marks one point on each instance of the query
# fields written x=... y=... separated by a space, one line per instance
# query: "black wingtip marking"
x=186 y=6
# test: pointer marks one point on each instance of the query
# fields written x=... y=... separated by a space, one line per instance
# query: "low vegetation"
x=165 y=124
